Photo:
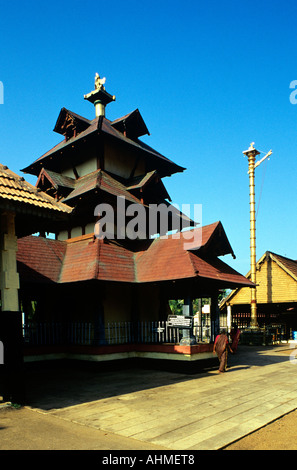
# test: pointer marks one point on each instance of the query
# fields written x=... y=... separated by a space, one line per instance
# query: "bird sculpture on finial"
x=99 y=82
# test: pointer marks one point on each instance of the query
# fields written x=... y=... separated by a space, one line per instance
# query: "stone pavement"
x=173 y=410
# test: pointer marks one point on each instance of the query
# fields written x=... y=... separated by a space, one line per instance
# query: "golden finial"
x=99 y=82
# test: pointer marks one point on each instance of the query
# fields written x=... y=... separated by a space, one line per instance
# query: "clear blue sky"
x=208 y=77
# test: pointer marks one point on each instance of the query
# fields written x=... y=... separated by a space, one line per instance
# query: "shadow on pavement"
x=59 y=384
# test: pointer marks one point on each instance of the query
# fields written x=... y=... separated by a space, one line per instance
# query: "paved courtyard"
x=173 y=410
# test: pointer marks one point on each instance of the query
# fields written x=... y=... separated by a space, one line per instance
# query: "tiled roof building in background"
x=276 y=295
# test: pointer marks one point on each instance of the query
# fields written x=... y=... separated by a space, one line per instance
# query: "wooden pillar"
x=229 y=318
x=200 y=328
x=214 y=316
x=11 y=371
x=9 y=278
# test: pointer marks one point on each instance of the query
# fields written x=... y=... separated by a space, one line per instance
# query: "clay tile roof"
x=164 y=260
x=56 y=179
x=40 y=259
x=18 y=191
x=140 y=181
x=171 y=258
x=99 y=179
x=87 y=258
x=216 y=269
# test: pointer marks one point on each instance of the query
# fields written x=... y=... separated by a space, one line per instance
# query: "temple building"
x=120 y=268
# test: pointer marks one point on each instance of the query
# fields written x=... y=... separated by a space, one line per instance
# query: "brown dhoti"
x=222 y=351
x=223 y=360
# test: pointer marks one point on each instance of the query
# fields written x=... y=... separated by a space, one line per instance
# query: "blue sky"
x=209 y=77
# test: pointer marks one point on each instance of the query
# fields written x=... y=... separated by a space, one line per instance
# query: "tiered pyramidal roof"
x=98 y=161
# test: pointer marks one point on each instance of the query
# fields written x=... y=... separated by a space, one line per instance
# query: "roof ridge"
x=282 y=256
x=135 y=266
x=285 y=268
x=190 y=254
x=49 y=245
x=88 y=175
x=79 y=238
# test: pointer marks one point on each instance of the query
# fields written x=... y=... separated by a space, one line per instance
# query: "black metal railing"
x=88 y=334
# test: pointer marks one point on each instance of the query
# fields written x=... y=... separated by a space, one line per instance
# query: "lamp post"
x=251 y=154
